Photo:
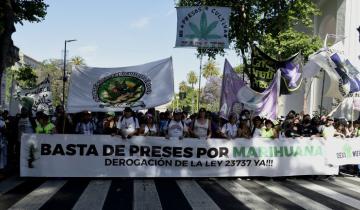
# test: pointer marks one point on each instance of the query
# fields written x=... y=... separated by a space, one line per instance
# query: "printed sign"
x=203 y=27
x=110 y=156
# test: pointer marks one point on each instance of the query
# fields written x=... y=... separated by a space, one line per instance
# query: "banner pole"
x=198 y=102
x=352 y=112
x=322 y=94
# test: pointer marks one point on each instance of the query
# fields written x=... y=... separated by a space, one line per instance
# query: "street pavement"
x=342 y=192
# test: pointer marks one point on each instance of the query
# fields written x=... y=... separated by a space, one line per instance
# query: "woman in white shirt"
x=201 y=128
x=229 y=130
x=149 y=128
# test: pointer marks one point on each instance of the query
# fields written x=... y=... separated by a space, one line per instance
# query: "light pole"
x=64 y=73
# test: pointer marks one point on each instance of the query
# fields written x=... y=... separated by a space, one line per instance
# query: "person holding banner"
x=176 y=128
x=128 y=125
x=201 y=127
x=229 y=130
x=149 y=128
x=328 y=129
x=268 y=131
x=44 y=126
x=86 y=125
x=258 y=125
x=109 y=123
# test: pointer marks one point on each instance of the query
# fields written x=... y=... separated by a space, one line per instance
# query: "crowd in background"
x=170 y=125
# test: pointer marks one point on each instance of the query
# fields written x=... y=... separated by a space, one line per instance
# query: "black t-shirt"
x=309 y=130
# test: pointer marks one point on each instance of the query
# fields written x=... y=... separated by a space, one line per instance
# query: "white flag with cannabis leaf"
x=203 y=27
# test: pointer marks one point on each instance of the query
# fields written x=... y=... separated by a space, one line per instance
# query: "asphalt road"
x=120 y=193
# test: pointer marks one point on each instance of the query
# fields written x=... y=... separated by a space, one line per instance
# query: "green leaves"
x=204 y=31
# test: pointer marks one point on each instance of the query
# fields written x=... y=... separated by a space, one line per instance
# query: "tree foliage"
x=26 y=77
x=78 y=61
x=210 y=96
x=12 y=12
x=210 y=69
x=266 y=23
x=192 y=79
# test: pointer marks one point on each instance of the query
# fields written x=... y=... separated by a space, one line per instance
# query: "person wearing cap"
x=176 y=128
x=86 y=125
x=229 y=130
x=149 y=128
x=201 y=127
x=328 y=129
x=109 y=123
x=44 y=125
x=128 y=124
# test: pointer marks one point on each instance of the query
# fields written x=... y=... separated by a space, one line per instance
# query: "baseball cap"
x=177 y=111
x=127 y=109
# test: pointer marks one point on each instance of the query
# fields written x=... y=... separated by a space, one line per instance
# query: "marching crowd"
x=169 y=125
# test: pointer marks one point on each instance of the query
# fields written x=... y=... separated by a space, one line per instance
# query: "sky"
x=112 y=33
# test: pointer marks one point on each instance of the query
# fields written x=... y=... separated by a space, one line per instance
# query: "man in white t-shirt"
x=128 y=125
x=176 y=128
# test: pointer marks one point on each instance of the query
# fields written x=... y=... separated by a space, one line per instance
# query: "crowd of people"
x=169 y=125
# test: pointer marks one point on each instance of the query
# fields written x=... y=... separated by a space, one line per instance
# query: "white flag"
x=321 y=60
x=203 y=27
x=38 y=98
x=113 y=89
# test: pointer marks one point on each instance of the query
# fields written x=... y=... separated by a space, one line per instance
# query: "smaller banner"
x=36 y=99
x=262 y=70
x=110 y=156
x=112 y=89
x=234 y=91
x=343 y=151
x=291 y=74
x=203 y=27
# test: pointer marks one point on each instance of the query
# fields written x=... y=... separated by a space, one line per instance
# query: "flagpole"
x=322 y=94
x=198 y=102
x=352 y=112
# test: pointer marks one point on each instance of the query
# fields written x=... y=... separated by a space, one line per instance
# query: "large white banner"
x=112 y=89
x=38 y=98
x=110 y=156
x=203 y=27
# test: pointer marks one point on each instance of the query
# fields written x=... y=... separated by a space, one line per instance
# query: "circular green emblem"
x=121 y=89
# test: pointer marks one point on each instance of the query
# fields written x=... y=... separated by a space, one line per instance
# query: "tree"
x=192 y=79
x=211 y=94
x=210 y=69
x=26 y=77
x=54 y=69
x=78 y=61
x=12 y=12
x=255 y=21
x=183 y=86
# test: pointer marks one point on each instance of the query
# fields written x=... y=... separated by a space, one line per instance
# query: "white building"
x=340 y=17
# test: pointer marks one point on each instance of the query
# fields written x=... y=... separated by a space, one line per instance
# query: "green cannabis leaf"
x=205 y=29
x=347 y=150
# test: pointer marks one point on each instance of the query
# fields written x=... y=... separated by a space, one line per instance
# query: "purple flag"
x=236 y=93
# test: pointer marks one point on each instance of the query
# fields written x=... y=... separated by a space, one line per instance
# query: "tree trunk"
x=6 y=43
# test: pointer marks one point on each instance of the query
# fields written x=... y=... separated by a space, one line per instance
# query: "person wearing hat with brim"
x=86 y=126
x=44 y=126
x=109 y=123
x=128 y=124
x=176 y=128
x=327 y=130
